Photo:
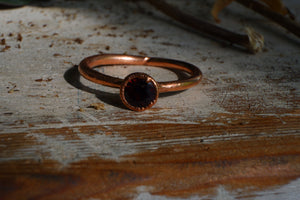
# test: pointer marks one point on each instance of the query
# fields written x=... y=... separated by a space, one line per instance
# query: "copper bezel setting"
x=145 y=77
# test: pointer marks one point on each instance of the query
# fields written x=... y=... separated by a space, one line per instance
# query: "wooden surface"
x=234 y=136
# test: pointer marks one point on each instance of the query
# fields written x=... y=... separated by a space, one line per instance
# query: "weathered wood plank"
x=235 y=135
x=170 y=159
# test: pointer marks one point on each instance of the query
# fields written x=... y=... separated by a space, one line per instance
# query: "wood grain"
x=172 y=160
x=233 y=136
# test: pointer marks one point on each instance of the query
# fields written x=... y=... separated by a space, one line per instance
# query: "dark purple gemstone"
x=139 y=92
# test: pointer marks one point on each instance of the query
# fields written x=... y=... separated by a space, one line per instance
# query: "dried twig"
x=290 y=25
x=253 y=41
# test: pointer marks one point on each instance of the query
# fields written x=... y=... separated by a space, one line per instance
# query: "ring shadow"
x=72 y=76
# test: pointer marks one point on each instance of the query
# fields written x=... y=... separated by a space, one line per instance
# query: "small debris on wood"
x=68 y=62
x=57 y=55
x=78 y=40
x=111 y=35
x=43 y=80
x=13 y=89
x=97 y=106
x=81 y=110
x=5 y=48
x=3 y=42
x=19 y=37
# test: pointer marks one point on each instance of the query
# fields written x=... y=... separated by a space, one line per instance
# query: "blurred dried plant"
x=274 y=10
x=275 y=5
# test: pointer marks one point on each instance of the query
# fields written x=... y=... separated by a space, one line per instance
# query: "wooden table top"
x=236 y=135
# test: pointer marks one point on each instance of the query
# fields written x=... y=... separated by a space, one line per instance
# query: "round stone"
x=139 y=91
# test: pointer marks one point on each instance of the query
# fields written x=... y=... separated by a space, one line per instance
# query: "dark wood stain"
x=266 y=154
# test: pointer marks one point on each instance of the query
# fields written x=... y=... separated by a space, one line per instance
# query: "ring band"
x=138 y=91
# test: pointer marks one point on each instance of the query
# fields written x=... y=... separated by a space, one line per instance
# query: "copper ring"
x=138 y=91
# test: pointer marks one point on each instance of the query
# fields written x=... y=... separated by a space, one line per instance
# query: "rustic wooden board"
x=234 y=136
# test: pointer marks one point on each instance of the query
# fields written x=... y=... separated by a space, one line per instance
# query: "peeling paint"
x=288 y=192
x=66 y=151
x=148 y=196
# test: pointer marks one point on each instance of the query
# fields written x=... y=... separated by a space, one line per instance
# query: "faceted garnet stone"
x=140 y=91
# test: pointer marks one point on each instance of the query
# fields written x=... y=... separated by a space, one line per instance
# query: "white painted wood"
x=36 y=72
x=223 y=68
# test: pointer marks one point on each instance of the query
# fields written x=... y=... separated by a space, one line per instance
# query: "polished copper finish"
x=86 y=70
